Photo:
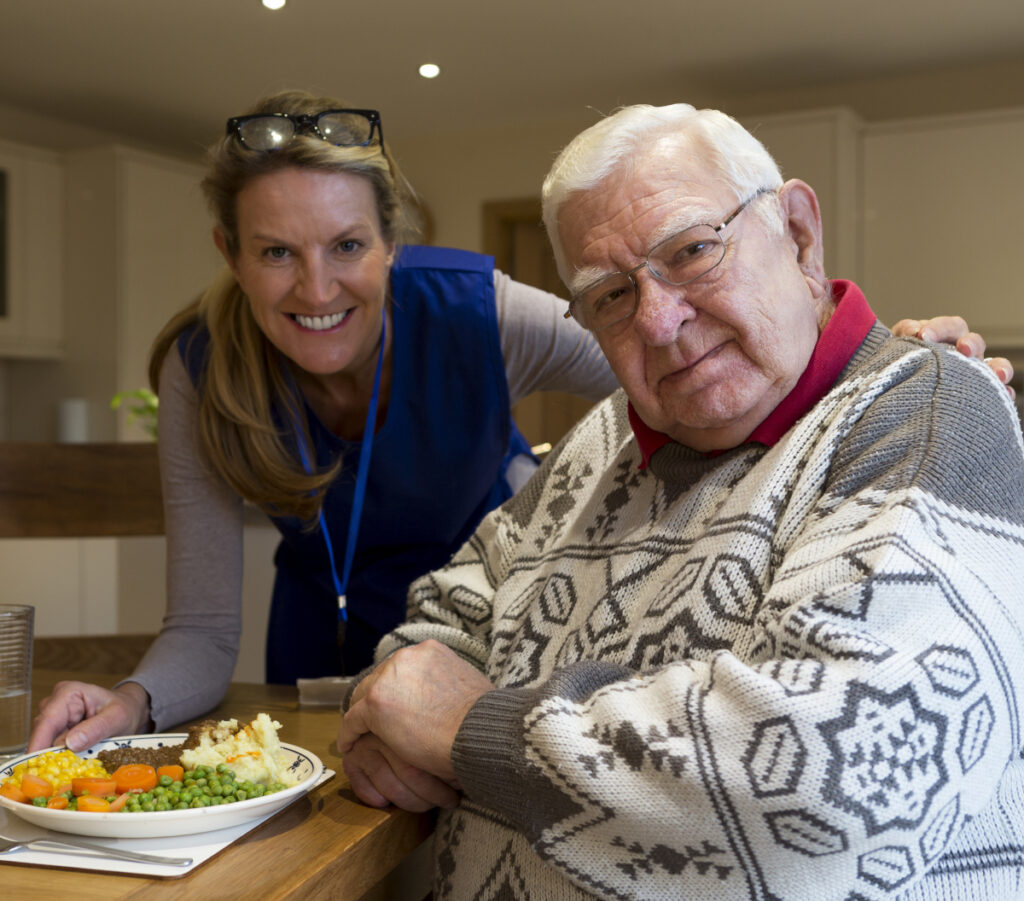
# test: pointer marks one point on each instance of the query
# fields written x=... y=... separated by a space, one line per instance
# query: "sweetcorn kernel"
x=56 y=767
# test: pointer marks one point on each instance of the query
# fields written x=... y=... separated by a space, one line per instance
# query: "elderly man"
x=755 y=628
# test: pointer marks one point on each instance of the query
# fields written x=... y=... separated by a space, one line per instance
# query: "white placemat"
x=199 y=847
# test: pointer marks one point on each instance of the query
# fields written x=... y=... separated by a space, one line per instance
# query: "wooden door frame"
x=498 y=216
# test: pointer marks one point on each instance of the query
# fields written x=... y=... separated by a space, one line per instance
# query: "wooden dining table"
x=324 y=845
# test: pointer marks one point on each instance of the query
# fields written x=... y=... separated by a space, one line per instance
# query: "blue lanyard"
x=362 y=475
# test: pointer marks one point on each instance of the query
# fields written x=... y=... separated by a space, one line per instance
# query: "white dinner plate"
x=306 y=767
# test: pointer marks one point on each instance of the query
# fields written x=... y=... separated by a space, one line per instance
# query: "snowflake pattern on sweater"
x=777 y=673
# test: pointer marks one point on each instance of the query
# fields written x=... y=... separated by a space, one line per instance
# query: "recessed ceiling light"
x=429 y=70
x=273 y=4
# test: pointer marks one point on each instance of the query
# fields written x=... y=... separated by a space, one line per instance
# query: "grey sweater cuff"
x=488 y=751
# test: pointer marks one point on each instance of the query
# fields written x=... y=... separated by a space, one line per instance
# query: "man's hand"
x=414 y=702
x=954 y=330
x=379 y=777
x=78 y=715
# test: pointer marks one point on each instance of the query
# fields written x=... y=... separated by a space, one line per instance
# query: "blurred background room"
x=906 y=118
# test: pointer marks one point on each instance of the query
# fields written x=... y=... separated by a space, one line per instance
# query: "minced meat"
x=156 y=757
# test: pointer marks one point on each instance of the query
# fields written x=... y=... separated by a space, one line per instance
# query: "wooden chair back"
x=79 y=490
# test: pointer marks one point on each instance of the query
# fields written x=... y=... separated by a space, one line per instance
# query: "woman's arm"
x=187 y=669
x=543 y=350
x=189 y=666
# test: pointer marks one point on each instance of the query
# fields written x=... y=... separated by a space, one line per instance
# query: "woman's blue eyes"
x=343 y=247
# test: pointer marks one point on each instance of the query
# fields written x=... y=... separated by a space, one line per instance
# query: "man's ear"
x=803 y=227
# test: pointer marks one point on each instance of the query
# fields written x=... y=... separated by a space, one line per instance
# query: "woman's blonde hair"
x=250 y=412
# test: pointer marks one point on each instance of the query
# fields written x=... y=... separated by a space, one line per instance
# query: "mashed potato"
x=252 y=752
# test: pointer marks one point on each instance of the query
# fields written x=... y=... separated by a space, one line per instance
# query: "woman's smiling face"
x=314 y=265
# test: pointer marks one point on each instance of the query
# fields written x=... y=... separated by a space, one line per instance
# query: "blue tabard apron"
x=438 y=466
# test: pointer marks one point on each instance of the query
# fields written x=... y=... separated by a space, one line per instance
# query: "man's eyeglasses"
x=678 y=260
x=341 y=127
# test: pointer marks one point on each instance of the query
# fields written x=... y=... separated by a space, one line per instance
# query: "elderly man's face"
x=706 y=362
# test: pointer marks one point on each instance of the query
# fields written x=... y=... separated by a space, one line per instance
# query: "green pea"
x=39 y=801
x=165 y=780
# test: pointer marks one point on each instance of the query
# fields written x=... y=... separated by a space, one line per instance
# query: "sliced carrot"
x=36 y=786
x=135 y=777
x=63 y=788
x=93 y=804
x=57 y=802
x=119 y=802
x=93 y=785
x=11 y=791
x=177 y=773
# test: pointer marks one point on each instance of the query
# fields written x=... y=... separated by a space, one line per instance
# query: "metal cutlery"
x=68 y=845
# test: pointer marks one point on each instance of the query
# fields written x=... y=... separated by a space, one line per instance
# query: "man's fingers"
x=353 y=725
x=374 y=780
x=363 y=787
x=434 y=791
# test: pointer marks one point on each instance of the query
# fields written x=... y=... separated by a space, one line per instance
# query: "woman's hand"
x=954 y=330
x=78 y=715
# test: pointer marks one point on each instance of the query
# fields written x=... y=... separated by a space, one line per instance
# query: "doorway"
x=514 y=235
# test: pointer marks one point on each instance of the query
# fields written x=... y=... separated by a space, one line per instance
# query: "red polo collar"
x=843 y=334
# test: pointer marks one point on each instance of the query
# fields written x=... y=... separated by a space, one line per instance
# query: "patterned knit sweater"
x=785 y=673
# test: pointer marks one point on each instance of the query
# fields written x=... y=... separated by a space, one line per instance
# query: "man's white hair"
x=730 y=152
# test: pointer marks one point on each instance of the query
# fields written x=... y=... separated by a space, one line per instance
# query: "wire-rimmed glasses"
x=341 y=127
x=678 y=260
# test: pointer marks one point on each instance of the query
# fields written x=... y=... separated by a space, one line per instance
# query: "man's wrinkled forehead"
x=696 y=198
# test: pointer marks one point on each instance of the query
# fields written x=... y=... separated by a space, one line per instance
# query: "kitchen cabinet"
x=942 y=224
x=138 y=248
x=31 y=315
x=823 y=148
